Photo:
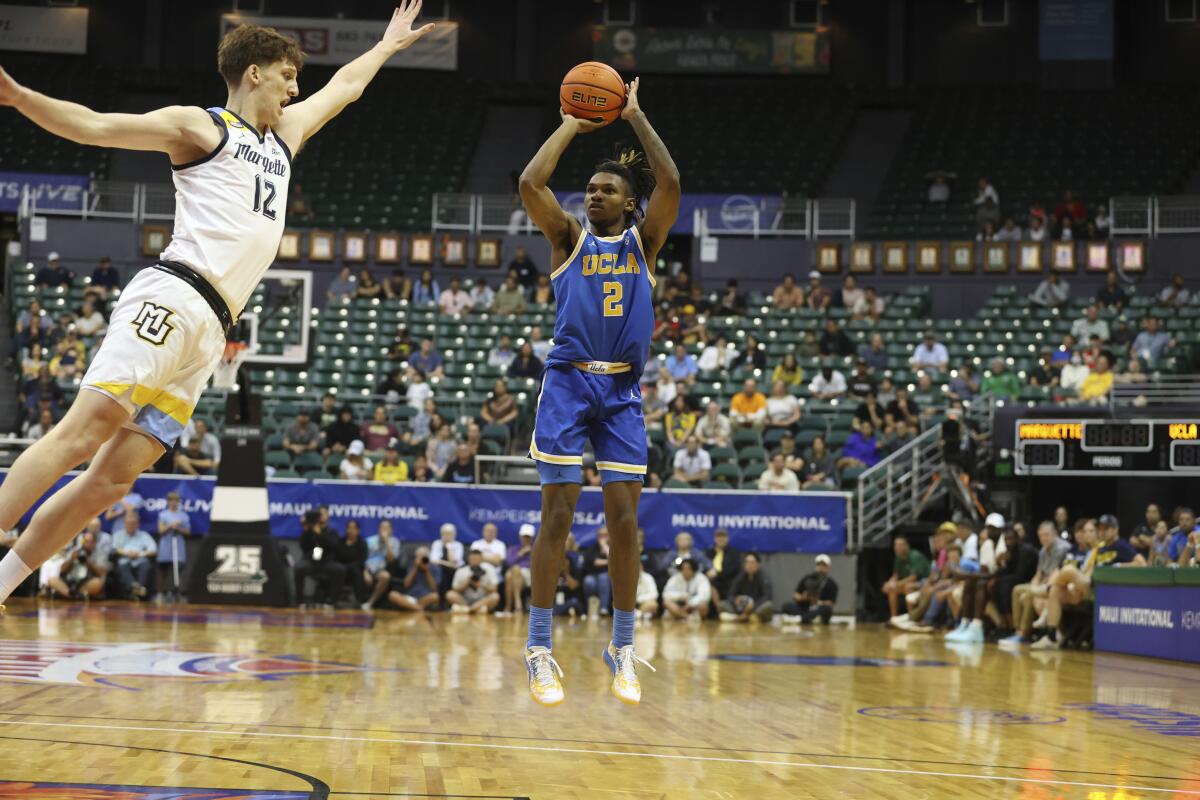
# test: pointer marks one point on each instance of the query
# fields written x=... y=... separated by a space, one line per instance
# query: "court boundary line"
x=616 y=753
x=794 y=753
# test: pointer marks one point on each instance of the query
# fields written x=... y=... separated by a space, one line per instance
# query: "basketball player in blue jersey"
x=590 y=389
x=230 y=166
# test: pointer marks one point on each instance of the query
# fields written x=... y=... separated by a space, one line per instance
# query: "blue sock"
x=623 y=627
x=541 y=628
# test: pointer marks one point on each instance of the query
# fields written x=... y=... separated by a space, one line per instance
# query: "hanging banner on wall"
x=812 y=522
x=43 y=30
x=725 y=212
x=52 y=192
x=1075 y=30
x=338 y=41
x=700 y=50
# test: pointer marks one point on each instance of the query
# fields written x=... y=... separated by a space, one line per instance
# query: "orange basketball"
x=592 y=91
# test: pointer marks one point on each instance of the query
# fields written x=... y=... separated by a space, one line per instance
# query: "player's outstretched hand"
x=400 y=34
x=631 y=99
x=581 y=125
x=10 y=90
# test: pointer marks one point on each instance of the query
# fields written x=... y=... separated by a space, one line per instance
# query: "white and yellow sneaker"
x=623 y=664
x=545 y=686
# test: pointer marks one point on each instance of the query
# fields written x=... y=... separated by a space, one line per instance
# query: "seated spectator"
x=1102 y=223
x=596 y=583
x=1112 y=294
x=517 y=565
x=680 y=421
x=134 y=550
x=718 y=355
x=526 y=364
x=911 y=567
x=861 y=381
x=339 y=434
x=379 y=431
x=1115 y=550
x=930 y=354
x=426 y=292
x=540 y=344
x=748 y=408
x=834 y=341
x=964 y=383
x=681 y=365
x=453 y=300
x=1175 y=294
x=1046 y=373
x=481 y=294
x=1071 y=584
x=201 y=454
x=791 y=456
x=939 y=190
x=1066 y=231
x=398 y=286
x=900 y=435
x=33 y=310
x=869 y=306
x=987 y=232
x=926 y=394
x=302 y=435
x=777 y=477
x=851 y=295
x=500 y=407
x=999 y=382
x=502 y=355
x=393 y=386
x=819 y=298
x=750 y=595
x=1099 y=381
x=730 y=303
x=368 y=287
x=692 y=464
x=815 y=595
x=391 y=469
x=326 y=412
x=104 y=281
x=788 y=371
x=402 y=346
x=1070 y=209
x=1179 y=536
x=984 y=191
x=987 y=217
x=355 y=465
x=886 y=390
x=45 y=423
x=418 y=591
x=1037 y=212
x=34 y=332
x=904 y=407
x=875 y=353
x=787 y=295
x=1151 y=343
x=751 y=356
x=809 y=347
x=870 y=410
x=820 y=467
x=462 y=469
x=783 y=409
x=510 y=299
x=53 y=274
x=1009 y=232
x=1029 y=599
x=447 y=553
x=713 y=428
x=828 y=384
x=542 y=293
x=33 y=364
x=90 y=321
x=523 y=269
x=688 y=592
x=1052 y=292
x=489 y=544
x=342 y=288
x=1037 y=230
x=473 y=587
x=861 y=448
x=441 y=449
x=1090 y=325
x=352 y=554
x=427 y=360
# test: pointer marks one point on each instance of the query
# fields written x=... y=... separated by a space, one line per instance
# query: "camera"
x=423 y=561
x=476 y=574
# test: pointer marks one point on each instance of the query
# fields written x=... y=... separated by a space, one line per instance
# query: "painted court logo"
x=128 y=665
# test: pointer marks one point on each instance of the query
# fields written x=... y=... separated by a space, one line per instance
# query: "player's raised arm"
x=540 y=203
x=182 y=132
x=663 y=206
x=303 y=119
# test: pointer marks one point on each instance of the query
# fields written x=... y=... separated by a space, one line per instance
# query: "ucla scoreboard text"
x=1097 y=446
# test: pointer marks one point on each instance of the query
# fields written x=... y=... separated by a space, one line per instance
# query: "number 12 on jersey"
x=613 y=292
x=259 y=203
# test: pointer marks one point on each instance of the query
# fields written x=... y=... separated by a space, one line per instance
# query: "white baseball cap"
x=356 y=448
x=994 y=520
x=814 y=274
x=824 y=559
x=526 y=530
x=53 y=256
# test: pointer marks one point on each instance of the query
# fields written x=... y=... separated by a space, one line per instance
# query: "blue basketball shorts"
x=576 y=406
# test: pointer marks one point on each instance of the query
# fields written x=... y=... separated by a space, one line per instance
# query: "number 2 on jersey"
x=613 y=292
x=259 y=203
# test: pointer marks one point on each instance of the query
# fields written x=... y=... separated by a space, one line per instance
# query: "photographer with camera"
x=419 y=589
x=473 y=590
x=319 y=545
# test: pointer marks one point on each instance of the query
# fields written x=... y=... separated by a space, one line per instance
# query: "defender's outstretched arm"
x=663 y=207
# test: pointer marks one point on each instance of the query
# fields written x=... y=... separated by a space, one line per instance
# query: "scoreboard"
x=1098 y=446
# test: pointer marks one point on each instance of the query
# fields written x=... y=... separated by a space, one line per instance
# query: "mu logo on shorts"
x=151 y=322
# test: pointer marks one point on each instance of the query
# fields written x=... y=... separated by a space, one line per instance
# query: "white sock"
x=13 y=572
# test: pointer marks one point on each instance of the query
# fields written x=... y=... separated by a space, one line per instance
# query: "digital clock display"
x=1041 y=454
x=1092 y=445
x=1117 y=436
x=1185 y=456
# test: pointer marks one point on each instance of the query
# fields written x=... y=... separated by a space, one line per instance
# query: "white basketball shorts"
x=162 y=345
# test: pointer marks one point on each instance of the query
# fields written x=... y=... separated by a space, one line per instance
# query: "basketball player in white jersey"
x=231 y=167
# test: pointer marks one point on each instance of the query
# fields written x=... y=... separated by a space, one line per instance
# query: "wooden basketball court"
x=102 y=701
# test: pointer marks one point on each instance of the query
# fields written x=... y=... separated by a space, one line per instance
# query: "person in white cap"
x=53 y=274
x=975 y=586
x=815 y=595
x=517 y=576
x=356 y=466
x=819 y=298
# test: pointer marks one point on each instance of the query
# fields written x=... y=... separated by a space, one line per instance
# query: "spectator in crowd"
x=201 y=450
x=717 y=355
x=1066 y=230
x=402 y=346
x=828 y=384
x=987 y=231
x=911 y=567
x=692 y=464
x=834 y=341
x=731 y=302
x=1090 y=325
x=1029 y=599
x=526 y=364
x=352 y=553
x=999 y=382
x=939 y=190
x=1177 y=537
x=104 y=280
x=398 y=286
x=870 y=306
x=473 y=587
x=874 y=353
x=646 y=599
x=33 y=364
x=1070 y=208
x=425 y=292
x=392 y=388
x=447 y=553
x=340 y=433
x=681 y=365
x=869 y=410
x=1046 y=373
x=53 y=274
x=391 y=470
x=502 y=355
x=750 y=595
x=134 y=549
x=685 y=547
x=517 y=563
x=45 y=423
x=851 y=295
x=1052 y=292
x=930 y=354
x=925 y=393
x=368 y=287
x=904 y=407
x=964 y=383
x=788 y=371
x=1190 y=557
x=1112 y=294
x=493 y=550
x=1151 y=343
x=540 y=345
x=777 y=477
x=174 y=526
x=725 y=562
x=1073 y=374
x=86 y=566
x=34 y=309
x=899 y=436
x=500 y=407
x=713 y=428
x=597 y=587
x=815 y=595
x=440 y=450
x=984 y=191
x=886 y=390
x=462 y=469
x=820 y=467
x=1114 y=549
x=654 y=409
x=1009 y=232
x=680 y=421
x=787 y=295
x=481 y=294
x=688 y=592
x=356 y=466
x=987 y=217
x=748 y=408
x=90 y=321
x=861 y=448
x=751 y=356
x=542 y=293
x=1101 y=223
x=420 y=471
x=419 y=589
x=861 y=382
x=527 y=271
x=379 y=431
x=819 y=298
x=383 y=558
x=1037 y=230
x=809 y=347
x=1071 y=584
x=1175 y=294
x=34 y=332
x=343 y=287
x=1099 y=381
x=418 y=392
x=453 y=300
x=1143 y=533
x=427 y=360
x=510 y=299
x=1016 y=566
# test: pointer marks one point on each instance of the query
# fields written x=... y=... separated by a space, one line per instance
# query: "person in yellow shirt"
x=681 y=421
x=748 y=409
x=1099 y=381
x=789 y=371
x=391 y=469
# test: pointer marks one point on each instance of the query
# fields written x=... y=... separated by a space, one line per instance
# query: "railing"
x=136 y=202
x=454 y=212
x=893 y=491
x=834 y=217
x=1154 y=216
x=1131 y=216
x=1163 y=390
x=1177 y=214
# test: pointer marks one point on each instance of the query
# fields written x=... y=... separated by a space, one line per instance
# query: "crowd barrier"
x=1149 y=611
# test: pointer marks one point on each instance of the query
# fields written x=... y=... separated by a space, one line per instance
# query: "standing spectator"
x=1151 y=343
x=342 y=288
x=340 y=433
x=174 y=526
x=502 y=354
x=750 y=594
x=427 y=360
x=134 y=549
x=518 y=561
x=787 y=295
x=355 y=465
x=984 y=191
x=819 y=298
x=462 y=469
x=1112 y=294
x=777 y=477
x=419 y=589
x=596 y=584
x=788 y=371
x=692 y=464
x=688 y=592
x=725 y=562
x=834 y=341
x=681 y=365
x=352 y=553
x=526 y=364
x=302 y=435
x=1052 y=292
x=53 y=274
x=783 y=409
x=473 y=587
x=1070 y=208
x=379 y=431
x=447 y=553
x=828 y=384
x=680 y=421
x=815 y=595
x=104 y=281
x=1175 y=294
x=911 y=567
x=748 y=408
x=391 y=470
x=875 y=353
x=425 y=292
x=751 y=356
x=453 y=300
x=527 y=271
x=481 y=294
x=441 y=450
x=999 y=382
x=714 y=428
x=930 y=354
x=510 y=299
x=398 y=286
x=90 y=321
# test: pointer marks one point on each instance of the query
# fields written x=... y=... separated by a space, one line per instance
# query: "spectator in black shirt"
x=834 y=341
x=750 y=356
x=1018 y=564
x=351 y=553
x=820 y=467
x=1046 y=373
x=904 y=407
x=393 y=384
x=726 y=564
x=750 y=594
x=462 y=468
x=53 y=274
x=862 y=383
x=34 y=333
x=814 y=596
x=869 y=410
x=339 y=434
x=730 y=301
x=105 y=279
x=319 y=547
x=526 y=364
x=1111 y=295
x=527 y=271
